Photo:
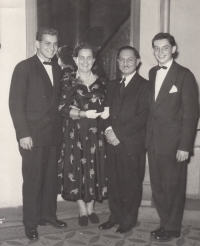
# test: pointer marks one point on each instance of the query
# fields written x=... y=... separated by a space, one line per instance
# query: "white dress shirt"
x=48 y=68
x=128 y=78
x=160 y=76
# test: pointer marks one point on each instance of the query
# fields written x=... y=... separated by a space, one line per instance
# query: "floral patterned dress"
x=82 y=163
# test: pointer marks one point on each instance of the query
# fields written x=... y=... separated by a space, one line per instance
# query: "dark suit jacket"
x=33 y=102
x=128 y=115
x=171 y=125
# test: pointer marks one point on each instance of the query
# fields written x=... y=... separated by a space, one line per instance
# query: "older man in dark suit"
x=171 y=128
x=34 y=95
x=128 y=102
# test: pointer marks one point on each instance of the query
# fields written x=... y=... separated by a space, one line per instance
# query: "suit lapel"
x=116 y=91
x=131 y=88
x=167 y=84
x=129 y=92
x=45 y=80
x=55 y=79
x=152 y=79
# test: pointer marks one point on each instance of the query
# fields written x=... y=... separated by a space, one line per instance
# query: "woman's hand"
x=105 y=113
x=91 y=114
x=74 y=114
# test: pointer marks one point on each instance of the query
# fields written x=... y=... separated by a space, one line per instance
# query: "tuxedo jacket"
x=173 y=117
x=33 y=102
x=128 y=115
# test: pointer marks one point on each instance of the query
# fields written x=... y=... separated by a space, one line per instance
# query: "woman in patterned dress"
x=83 y=159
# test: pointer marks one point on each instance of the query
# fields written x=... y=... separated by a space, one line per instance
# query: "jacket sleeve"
x=190 y=112
x=105 y=123
x=17 y=100
x=138 y=119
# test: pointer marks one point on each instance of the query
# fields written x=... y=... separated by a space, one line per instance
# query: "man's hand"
x=26 y=143
x=111 y=137
x=182 y=155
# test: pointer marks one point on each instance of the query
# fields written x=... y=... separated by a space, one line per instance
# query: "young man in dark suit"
x=33 y=101
x=125 y=132
x=171 y=127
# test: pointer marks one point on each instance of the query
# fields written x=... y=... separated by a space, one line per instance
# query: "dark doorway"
x=92 y=21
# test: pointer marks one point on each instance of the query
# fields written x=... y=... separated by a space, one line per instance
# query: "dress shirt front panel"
x=48 y=69
x=160 y=76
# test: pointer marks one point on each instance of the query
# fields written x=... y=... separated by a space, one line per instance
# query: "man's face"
x=127 y=62
x=163 y=51
x=85 y=60
x=48 y=47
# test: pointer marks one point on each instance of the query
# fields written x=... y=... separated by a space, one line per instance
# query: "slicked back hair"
x=136 y=53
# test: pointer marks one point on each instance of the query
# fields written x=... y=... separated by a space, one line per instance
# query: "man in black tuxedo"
x=125 y=132
x=33 y=101
x=171 y=128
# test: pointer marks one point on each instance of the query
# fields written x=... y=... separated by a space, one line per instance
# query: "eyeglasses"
x=164 y=49
x=129 y=60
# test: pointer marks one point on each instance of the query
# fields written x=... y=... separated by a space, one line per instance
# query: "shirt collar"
x=168 y=64
x=42 y=59
x=128 y=78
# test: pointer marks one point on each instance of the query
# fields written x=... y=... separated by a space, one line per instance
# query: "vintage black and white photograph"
x=100 y=129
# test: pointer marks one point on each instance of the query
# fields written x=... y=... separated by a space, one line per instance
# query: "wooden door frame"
x=164 y=14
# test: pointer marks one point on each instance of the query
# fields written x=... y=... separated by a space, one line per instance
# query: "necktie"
x=159 y=67
x=122 y=85
x=47 y=63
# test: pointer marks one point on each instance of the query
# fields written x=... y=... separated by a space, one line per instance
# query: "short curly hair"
x=164 y=35
x=45 y=30
x=81 y=46
x=65 y=54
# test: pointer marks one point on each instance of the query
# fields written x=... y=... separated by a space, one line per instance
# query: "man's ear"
x=37 y=44
x=174 y=49
x=138 y=62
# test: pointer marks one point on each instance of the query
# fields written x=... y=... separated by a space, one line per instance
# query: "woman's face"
x=84 y=60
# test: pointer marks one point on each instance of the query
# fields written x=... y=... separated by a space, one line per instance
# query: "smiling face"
x=84 y=60
x=163 y=51
x=47 y=48
x=127 y=62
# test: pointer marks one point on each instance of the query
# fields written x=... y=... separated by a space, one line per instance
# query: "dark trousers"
x=168 y=183
x=40 y=180
x=125 y=177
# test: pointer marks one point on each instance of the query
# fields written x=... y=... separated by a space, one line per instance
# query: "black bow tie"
x=159 y=67
x=47 y=63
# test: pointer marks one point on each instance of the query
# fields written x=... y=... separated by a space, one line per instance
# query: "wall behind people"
x=184 y=19
x=148 y=28
x=13 y=50
x=184 y=25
